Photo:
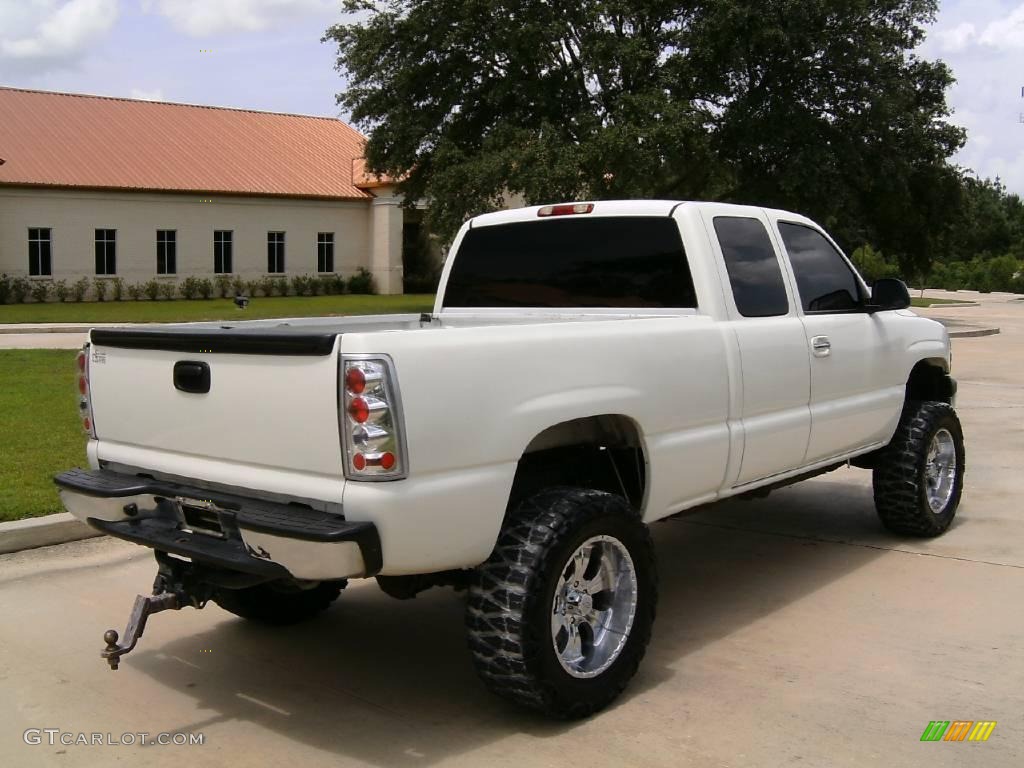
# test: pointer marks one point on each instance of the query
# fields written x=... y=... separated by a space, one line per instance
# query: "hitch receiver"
x=143 y=607
x=179 y=584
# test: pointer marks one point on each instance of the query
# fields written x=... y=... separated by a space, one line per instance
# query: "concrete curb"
x=43 y=532
x=46 y=329
x=973 y=332
x=954 y=305
x=24 y=328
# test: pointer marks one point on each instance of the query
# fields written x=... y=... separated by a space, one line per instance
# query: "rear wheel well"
x=929 y=380
x=598 y=452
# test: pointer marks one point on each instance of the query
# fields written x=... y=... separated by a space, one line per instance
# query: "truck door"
x=855 y=392
x=775 y=413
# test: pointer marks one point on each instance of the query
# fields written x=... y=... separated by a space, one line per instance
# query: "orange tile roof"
x=98 y=142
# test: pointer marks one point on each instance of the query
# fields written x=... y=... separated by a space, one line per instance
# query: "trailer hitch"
x=144 y=606
x=176 y=586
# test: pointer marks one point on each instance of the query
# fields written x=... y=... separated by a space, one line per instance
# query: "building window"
x=222 y=251
x=106 y=251
x=325 y=252
x=275 y=251
x=166 y=252
x=40 y=246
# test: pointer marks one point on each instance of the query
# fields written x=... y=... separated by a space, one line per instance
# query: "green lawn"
x=211 y=309
x=39 y=427
x=926 y=302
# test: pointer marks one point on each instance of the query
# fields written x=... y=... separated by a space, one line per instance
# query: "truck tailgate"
x=271 y=400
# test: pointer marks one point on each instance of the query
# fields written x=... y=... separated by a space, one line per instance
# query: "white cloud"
x=982 y=41
x=206 y=17
x=155 y=94
x=1007 y=32
x=50 y=34
x=957 y=38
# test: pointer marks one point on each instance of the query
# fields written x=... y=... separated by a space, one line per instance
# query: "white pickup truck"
x=587 y=370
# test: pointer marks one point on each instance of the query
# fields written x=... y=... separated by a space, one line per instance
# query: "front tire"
x=918 y=478
x=278 y=603
x=560 y=615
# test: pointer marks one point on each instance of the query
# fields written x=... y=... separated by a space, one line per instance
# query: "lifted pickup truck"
x=587 y=370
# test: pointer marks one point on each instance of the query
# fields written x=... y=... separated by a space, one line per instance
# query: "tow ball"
x=176 y=587
x=144 y=606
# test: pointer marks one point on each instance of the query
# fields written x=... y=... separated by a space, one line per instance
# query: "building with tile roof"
x=109 y=187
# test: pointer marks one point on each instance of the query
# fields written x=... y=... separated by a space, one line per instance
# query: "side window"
x=825 y=281
x=754 y=270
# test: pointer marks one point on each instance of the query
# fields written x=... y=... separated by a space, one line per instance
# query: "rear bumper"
x=236 y=532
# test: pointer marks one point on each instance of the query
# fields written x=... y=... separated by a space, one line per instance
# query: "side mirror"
x=888 y=293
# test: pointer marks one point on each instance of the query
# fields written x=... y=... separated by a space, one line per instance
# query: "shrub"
x=189 y=287
x=303 y=284
x=20 y=288
x=5 y=288
x=117 y=284
x=324 y=285
x=271 y=285
x=223 y=284
x=168 y=289
x=249 y=287
x=238 y=285
x=338 y=284
x=205 y=287
x=41 y=290
x=60 y=290
x=134 y=291
x=100 y=286
x=428 y=283
x=362 y=282
x=79 y=288
x=151 y=288
x=870 y=263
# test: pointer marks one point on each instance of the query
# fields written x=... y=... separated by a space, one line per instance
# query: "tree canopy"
x=821 y=106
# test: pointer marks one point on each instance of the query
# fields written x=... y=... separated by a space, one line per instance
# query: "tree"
x=817 y=105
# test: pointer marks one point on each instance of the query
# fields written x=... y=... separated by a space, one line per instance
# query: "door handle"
x=821 y=346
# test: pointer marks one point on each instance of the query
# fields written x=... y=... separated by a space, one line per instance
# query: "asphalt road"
x=792 y=631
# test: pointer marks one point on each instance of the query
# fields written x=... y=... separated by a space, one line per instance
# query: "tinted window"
x=222 y=239
x=106 y=251
x=39 y=252
x=826 y=283
x=576 y=261
x=754 y=270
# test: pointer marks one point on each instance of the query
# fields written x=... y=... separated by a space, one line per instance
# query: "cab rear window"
x=622 y=261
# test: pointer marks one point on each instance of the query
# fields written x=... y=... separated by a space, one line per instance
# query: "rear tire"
x=560 y=615
x=918 y=478
x=278 y=603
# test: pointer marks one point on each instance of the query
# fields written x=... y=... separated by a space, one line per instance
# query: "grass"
x=40 y=428
x=917 y=301
x=211 y=309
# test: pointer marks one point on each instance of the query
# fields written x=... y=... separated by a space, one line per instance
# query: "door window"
x=824 y=279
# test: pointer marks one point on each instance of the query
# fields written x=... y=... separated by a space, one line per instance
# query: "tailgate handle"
x=192 y=376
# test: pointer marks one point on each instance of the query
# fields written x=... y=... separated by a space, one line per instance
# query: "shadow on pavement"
x=391 y=683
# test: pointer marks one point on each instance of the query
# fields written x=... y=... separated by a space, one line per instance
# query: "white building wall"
x=73 y=217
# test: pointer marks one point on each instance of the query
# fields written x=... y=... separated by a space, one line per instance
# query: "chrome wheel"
x=594 y=606
x=940 y=470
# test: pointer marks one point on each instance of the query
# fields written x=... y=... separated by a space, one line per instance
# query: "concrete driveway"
x=791 y=631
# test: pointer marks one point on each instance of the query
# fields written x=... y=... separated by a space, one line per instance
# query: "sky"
x=267 y=54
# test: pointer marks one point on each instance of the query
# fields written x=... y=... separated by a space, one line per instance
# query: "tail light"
x=371 y=419
x=84 y=392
